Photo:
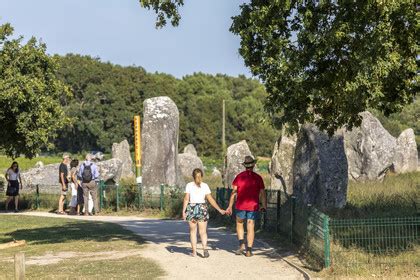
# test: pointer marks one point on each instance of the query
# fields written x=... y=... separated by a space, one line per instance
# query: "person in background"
x=195 y=210
x=14 y=181
x=90 y=175
x=74 y=184
x=248 y=186
x=63 y=174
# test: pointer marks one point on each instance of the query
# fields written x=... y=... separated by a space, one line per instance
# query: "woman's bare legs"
x=16 y=202
x=202 y=229
x=8 y=199
x=193 y=236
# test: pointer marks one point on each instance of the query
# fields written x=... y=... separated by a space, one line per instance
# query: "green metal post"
x=292 y=213
x=162 y=189
x=101 y=194
x=118 y=196
x=223 y=195
x=140 y=195
x=326 y=241
x=278 y=209
x=37 y=197
x=226 y=204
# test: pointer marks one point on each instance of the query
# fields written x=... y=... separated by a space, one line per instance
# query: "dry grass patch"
x=84 y=249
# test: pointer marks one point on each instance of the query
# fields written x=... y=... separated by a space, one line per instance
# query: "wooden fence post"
x=19 y=266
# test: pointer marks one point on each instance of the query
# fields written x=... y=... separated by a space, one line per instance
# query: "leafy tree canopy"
x=325 y=61
x=30 y=93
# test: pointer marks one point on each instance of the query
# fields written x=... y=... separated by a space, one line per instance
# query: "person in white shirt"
x=195 y=210
x=14 y=181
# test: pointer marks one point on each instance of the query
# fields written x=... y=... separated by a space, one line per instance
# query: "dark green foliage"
x=326 y=61
x=106 y=97
x=30 y=93
x=164 y=10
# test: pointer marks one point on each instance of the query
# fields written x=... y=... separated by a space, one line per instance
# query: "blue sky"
x=121 y=32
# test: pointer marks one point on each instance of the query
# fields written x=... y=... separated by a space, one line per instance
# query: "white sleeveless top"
x=12 y=175
x=197 y=194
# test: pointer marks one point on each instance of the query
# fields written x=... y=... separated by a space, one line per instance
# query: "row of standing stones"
x=312 y=166
x=316 y=168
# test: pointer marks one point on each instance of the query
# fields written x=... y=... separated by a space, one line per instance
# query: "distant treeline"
x=106 y=97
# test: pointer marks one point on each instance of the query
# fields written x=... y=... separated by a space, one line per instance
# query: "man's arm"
x=81 y=170
x=20 y=181
x=95 y=172
x=63 y=182
x=232 y=199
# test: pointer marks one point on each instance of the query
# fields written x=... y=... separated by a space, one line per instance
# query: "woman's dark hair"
x=196 y=171
x=17 y=166
x=74 y=163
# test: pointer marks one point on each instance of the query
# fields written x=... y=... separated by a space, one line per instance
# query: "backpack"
x=87 y=175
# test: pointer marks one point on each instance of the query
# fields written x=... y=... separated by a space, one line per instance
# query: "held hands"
x=221 y=211
x=229 y=211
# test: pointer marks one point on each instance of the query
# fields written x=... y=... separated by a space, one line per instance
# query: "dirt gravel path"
x=168 y=244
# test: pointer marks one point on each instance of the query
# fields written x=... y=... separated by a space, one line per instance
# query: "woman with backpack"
x=14 y=181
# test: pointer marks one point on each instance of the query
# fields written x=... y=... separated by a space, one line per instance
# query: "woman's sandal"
x=206 y=254
x=193 y=254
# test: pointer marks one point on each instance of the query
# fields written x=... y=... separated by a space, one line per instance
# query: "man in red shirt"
x=247 y=186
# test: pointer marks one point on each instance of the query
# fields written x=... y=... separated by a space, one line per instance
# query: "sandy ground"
x=168 y=244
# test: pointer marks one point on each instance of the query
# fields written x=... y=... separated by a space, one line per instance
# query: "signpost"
x=137 y=158
x=137 y=145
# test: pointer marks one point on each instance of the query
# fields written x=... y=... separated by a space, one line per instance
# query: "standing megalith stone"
x=187 y=163
x=216 y=172
x=159 y=138
x=110 y=169
x=370 y=149
x=234 y=158
x=46 y=177
x=320 y=175
x=281 y=164
x=190 y=149
x=406 y=155
x=121 y=151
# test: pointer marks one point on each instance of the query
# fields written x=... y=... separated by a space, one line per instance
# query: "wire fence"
x=349 y=244
x=381 y=242
x=111 y=197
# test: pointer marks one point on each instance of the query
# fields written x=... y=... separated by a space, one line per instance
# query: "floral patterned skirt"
x=197 y=212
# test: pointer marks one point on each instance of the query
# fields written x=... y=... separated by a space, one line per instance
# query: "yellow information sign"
x=137 y=142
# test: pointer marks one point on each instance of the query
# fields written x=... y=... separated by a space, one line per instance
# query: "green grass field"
x=25 y=163
x=396 y=196
x=80 y=244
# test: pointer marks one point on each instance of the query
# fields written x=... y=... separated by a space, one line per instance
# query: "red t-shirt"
x=249 y=185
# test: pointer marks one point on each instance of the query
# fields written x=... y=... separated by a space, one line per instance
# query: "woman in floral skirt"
x=195 y=210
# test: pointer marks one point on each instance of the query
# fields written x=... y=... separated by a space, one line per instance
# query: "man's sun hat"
x=249 y=161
